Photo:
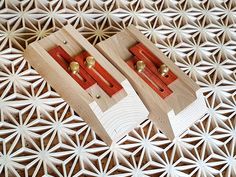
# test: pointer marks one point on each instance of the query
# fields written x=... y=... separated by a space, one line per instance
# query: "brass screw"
x=90 y=61
x=163 y=70
x=74 y=67
x=140 y=66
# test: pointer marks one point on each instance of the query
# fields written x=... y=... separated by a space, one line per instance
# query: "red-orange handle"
x=109 y=84
x=151 y=79
x=63 y=59
x=152 y=62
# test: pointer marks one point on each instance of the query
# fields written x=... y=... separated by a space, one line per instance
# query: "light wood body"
x=110 y=117
x=172 y=115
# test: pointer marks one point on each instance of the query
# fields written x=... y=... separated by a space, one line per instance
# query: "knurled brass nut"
x=90 y=62
x=163 y=70
x=74 y=67
x=140 y=66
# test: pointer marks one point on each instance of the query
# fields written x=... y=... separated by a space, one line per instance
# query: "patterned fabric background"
x=40 y=135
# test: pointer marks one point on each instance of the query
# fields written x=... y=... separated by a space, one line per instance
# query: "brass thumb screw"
x=74 y=67
x=163 y=70
x=140 y=66
x=90 y=62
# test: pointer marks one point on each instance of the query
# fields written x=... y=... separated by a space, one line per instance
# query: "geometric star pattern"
x=40 y=135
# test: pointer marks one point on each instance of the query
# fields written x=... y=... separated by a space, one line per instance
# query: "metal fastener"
x=140 y=66
x=74 y=67
x=163 y=70
x=90 y=61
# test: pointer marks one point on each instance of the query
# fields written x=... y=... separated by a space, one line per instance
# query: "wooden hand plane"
x=90 y=84
x=174 y=101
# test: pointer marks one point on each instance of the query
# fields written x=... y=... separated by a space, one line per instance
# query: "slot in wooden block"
x=172 y=113
x=110 y=114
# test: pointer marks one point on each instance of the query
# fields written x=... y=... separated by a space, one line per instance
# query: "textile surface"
x=40 y=135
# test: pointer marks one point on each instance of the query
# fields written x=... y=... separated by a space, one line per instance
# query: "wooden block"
x=178 y=103
x=101 y=95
